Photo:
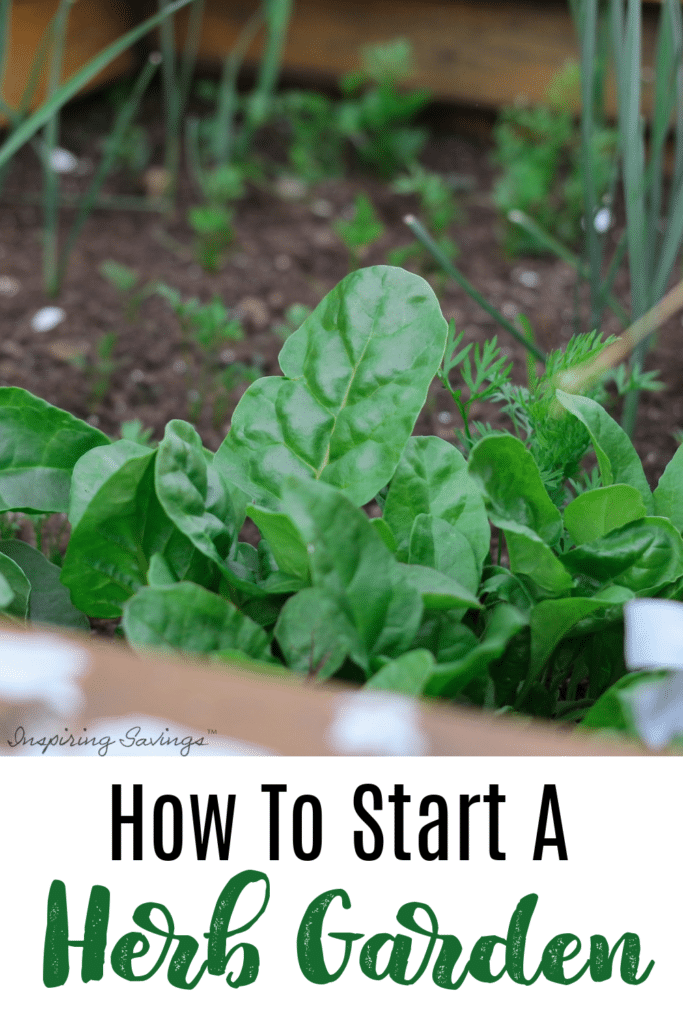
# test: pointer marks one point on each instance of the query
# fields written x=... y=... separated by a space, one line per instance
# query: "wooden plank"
x=93 y=24
x=474 y=52
x=285 y=715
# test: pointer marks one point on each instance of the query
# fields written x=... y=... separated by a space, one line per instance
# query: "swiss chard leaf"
x=285 y=542
x=93 y=469
x=431 y=479
x=617 y=458
x=19 y=586
x=407 y=675
x=39 y=447
x=315 y=634
x=185 y=617
x=509 y=477
x=356 y=376
x=192 y=493
x=447 y=680
x=351 y=563
x=49 y=599
x=594 y=513
x=668 y=495
x=109 y=553
x=437 y=544
x=642 y=555
x=552 y=620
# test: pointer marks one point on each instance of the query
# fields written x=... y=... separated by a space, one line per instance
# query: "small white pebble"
x=180 y=366
x=602 y=220
x=282 y=262
x=510 y=310
x=94 y=420
x=47 y=318
x=228 y=355
x=444 y=417
x=9 y=286
x=291 y=188
x=62 y=161
x=322 y=208
x=529 y=278
x=136 y=376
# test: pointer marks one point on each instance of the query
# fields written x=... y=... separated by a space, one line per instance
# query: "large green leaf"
x=315 y=634
x=552 y=620
x=435 y=543
x=185 y=617
x=432 y=478
x=437 y=590
x=93 y=469
x=530 y=556
x=356 y=376
x=19 y=586
x=617 y=458
x=191 y=492
x=285 y=542
x=668 y=495
x=352 y=564
x=642 y=555
x=594 y=513
x=39 y=447
x=49 y=599
x=509 y=477
x=407 y=675
x=6 y=593
x=108 y=556
x=447 y=680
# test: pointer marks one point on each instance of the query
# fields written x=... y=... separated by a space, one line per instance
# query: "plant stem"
x=87 y=202
x=50 y=140
x=423 y=235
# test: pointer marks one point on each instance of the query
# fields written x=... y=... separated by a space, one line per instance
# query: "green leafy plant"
x=418 y=600
x=360 y=231
x=205 y=328
x=99 y=368
x=438 y=210
x=376 y=116
x=316 y=141
x=214 y=233
x=539 y=152
x=126 y=282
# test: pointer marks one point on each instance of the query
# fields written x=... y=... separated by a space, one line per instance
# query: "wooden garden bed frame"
x=288 y=714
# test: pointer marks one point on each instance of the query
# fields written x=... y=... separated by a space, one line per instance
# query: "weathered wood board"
x=93 y=24
x=474 y=52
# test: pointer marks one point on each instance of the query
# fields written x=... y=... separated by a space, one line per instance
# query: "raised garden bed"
x=175 y=311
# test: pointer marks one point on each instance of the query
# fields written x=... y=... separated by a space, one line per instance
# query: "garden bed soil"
x=285 y=253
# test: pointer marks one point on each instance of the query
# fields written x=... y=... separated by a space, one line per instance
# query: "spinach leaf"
x=39 y=447
x=356 y=375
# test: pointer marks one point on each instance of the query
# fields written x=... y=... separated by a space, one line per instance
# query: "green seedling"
x=316 y=141
x=539 y=152
x=376 y=116
x=360 y=231
x=214 y=234
x=205 y=328
x=438 y=211
x=294 y=317
x=126 y=282
x=101 y=369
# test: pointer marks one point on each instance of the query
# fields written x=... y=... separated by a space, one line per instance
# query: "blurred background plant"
x=539 y=152
x=359 y=230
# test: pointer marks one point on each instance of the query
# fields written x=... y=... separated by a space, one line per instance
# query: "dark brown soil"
x=285 y=253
